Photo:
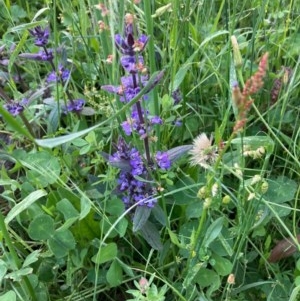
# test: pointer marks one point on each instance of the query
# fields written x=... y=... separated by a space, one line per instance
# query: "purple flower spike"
x=130 y=63
x=40 y=56
x=156 y=120
x=163 y=160
x=64 y=75
x=41 y=36
x=14 y=108
x=74 y=106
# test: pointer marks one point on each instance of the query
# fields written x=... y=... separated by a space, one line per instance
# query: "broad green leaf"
x=44 y=167
x=106 y=253
x=151 y=235
x=61 y=243
x=115 y=207
x=194 y=210
x=67 y=209
x=122 y=227
x=221 y=265
x=23 y=205
x=114 y=274
x=41 y=228
x=9 y=296
x=141 y=216
x=206 y=278
x=213 y=231
x=280 y=190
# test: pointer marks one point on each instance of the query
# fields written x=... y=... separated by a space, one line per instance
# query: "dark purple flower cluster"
x=15 y=108
x=75 y=106
x=129 y=160
x=133 y=63
x=45 y=54
x=132 y=164
x=61 y=74
x=41 y=36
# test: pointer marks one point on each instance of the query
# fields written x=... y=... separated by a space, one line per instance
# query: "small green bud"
x=226 y=199
x=202 y=193
x=264 y=187
x=207 y=202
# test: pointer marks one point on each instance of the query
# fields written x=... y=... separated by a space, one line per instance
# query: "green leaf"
x=222 y=265
x=41 y=228
x=61 y=243
x=3 y=269
x=44 y=168
x=206 y=278
x=31 y=258
x=9 y=296
x=14 y=123
x=213 y=231
x=151 y=235
x=85 y=207
x=23 y=205
x=106 y=253
x=67 y=209
x=141 y=216
x=27 y=26
x=174 y=239
x=114 y=274
x=280 y=190
x=18 y=275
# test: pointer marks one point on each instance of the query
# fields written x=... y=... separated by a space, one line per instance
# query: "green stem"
x=27 y=124
x=14 y=256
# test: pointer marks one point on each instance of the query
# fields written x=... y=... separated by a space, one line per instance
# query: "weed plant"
x=149 y=150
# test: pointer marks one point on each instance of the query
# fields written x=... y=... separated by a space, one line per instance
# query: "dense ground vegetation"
x=149 y=150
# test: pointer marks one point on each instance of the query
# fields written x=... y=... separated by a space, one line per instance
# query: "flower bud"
x=264 y=187
x=207 y=203
x=226 y=199
x=236 y=52
x=202 y=193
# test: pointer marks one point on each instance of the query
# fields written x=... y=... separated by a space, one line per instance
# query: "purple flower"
x=127 y=127
x=63 y=74
x=133 y=189
x=162 y=160
x=177 y=123
x=41 y=36
x=177 y=96
x=14 y=108
x=128 y=45
x=156 y=120
x=130 y=63
x=136 y=163
x=74 y=106
x=42 y=55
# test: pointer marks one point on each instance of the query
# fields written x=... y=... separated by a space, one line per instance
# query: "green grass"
x=65 y=233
